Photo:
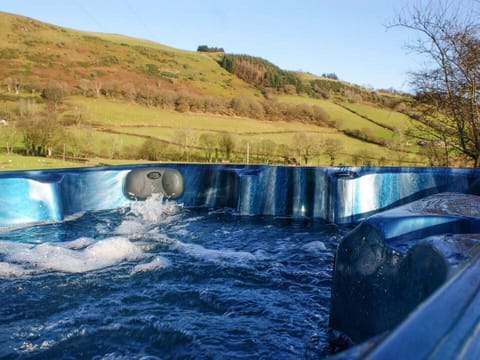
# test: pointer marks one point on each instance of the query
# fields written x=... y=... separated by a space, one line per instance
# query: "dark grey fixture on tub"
x=142 y=183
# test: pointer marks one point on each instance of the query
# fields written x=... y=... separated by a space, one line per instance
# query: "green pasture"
x=137 y=122
x=117 y=113
x=344 y=118
x=19 y=162
x=286 y=137
x=390 y=118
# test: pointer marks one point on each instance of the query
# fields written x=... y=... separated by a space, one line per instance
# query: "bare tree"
x=185 y=138
x=129 y=91
x=77 y=142
x=147 y=94
x=85 y=86
x=449 y=89
x=115 y=148
x=55 y=92
x=227 y=142
x=97 y=87
x=151 y=149
x=333 y=146
x=26 y=107
x=304 y=145
x=267 y=148
x=209 y=142
x=363 y=157
x=13 y=84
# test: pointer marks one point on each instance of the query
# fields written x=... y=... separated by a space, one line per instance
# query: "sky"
x=345 y=37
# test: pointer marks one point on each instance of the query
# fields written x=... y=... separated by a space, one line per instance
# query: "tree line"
x=206 y=48
x=304 y=149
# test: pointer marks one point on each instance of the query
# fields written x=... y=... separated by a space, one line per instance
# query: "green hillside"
x=106 y=98
x=39 y=52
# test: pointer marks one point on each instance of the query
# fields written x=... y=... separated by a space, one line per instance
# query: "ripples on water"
x=157 y=281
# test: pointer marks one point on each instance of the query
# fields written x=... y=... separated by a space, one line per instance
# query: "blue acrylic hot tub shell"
x=341 y=195
x=299 y=192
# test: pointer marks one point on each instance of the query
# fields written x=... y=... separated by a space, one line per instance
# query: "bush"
x=55 y=92
x=151 y=150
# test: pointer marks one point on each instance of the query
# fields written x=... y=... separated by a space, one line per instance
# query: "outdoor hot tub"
x=230 y=261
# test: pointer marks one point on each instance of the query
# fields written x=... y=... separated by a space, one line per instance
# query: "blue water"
x=169 y=283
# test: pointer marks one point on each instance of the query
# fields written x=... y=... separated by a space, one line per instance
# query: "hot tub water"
x=157 y=280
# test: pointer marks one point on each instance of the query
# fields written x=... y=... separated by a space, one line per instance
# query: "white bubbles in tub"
x=69 y=257
x=84 y=254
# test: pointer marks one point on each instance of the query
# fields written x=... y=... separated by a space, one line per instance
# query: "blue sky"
x=345 y=37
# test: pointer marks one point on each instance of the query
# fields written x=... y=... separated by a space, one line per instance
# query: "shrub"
x=151 y=150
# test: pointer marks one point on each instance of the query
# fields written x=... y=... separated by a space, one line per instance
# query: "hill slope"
x=36 y=52
x=103 y=85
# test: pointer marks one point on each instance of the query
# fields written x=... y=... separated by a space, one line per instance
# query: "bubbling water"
x=86 y=254
x=155 y=279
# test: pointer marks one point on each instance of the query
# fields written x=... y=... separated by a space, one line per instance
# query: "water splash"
x=155 y=209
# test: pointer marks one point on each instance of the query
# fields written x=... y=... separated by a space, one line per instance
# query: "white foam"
x=213 y=255
x=183 y=233
x=158 y=262
x=79 y=243
x=78 y=256
x=130 y=227
x=12 y=270
x=314 y=247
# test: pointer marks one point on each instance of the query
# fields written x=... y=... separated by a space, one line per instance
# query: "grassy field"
x=117 y=113
x=133 y=119
x=344 y=118
x=387 y=117
x=18 y=162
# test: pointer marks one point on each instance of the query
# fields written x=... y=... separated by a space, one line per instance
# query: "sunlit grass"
x=344 y=118
x=117 y=114
x=383 y=116
x=18 y=162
